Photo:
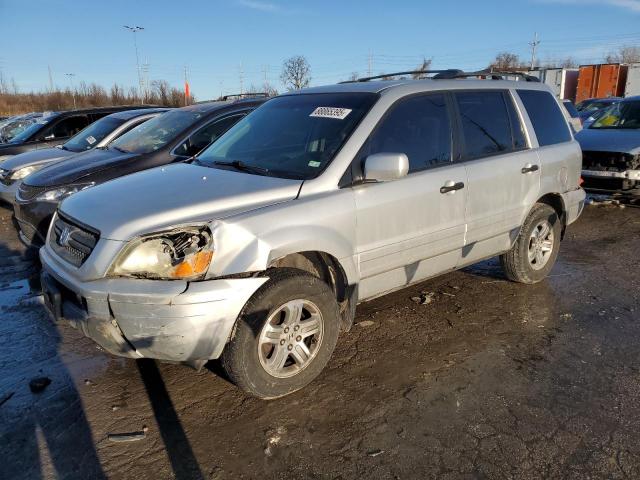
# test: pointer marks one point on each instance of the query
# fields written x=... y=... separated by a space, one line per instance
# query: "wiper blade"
x=239 y=165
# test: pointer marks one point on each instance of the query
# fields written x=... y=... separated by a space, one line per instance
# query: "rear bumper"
x=166 y=320
x=573 y=204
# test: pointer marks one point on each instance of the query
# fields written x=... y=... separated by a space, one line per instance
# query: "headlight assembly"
x=183 y=253
x=23 y=172
x=58 y=194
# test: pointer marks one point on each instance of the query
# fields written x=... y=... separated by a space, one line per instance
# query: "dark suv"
x=54 y=128
x=174 y=136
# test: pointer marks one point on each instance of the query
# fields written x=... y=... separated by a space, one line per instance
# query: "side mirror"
x=383 y=167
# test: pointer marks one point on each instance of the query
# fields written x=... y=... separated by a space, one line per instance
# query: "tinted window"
x=517 y=129
x=418 y=127
x=66 y=127
x=485 y=123
x=545 y=115
x=206 y=135
x=292 y=136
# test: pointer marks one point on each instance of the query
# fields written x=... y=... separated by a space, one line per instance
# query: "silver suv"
x=258 y=251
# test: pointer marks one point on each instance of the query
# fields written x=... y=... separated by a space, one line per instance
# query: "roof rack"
x=451 y=74
x=244 y=95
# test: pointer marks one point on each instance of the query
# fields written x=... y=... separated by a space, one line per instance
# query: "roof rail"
x=410 y=72
x=244 y=95
x=493 y=74
x=451 y=74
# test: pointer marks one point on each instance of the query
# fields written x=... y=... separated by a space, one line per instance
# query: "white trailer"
x=563 y=81
x=632 y=86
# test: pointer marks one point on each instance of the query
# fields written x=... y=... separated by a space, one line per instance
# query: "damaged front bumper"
x=166 y=320
x=626 y=174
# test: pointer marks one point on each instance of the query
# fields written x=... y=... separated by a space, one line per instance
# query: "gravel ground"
x=490 y=379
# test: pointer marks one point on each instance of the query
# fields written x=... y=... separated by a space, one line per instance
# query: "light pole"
x=135 y=30
x=73 y=89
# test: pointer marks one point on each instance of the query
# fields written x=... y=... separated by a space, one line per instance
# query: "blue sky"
x=214 y=38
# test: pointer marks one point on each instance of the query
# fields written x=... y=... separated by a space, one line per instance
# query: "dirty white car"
x=258 y=252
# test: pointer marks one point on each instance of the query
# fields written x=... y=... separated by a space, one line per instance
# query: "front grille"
x=27 y=192
x=72 y=242
x=609 y=161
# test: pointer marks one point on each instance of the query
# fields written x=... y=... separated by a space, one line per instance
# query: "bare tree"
x=295 y=73
x=425 y=65
x=506 y=61
x=568 y=62
x=626 y=54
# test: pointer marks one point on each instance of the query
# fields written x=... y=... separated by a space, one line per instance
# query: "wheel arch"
x=329 y=269
x=555 y=201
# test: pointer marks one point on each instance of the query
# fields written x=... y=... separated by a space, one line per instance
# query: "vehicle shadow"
x=43 y=434
x=183 y=461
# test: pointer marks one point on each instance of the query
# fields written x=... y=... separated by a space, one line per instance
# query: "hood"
x=609 y=140
x=79 y=167
x=35 y=157
x=154 y=199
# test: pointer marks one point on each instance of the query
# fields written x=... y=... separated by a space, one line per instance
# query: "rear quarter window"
x=546 y=117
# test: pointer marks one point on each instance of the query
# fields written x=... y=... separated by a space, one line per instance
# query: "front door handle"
x=451 y=187
x=528 y=168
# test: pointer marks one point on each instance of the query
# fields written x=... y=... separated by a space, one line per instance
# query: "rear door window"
x=419 y=127
x=485 y=123
x=546 y=117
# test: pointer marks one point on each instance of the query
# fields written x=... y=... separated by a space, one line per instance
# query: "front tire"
x=536 y=249
x=285 y=335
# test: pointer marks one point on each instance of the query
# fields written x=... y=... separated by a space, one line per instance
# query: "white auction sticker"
x=91 y=140
x=331 y=112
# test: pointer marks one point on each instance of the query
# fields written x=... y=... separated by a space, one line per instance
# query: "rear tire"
x=536 y=249
x=285 y=335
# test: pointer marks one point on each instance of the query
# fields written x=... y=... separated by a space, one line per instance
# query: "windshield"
x=91 y=136
x=293 y=136
x=156 y=133
x=623 y=115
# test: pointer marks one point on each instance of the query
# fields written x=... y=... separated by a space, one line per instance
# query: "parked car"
x=12 y=126
x=54 y=128
x=97 y=135
x=258 y=251
x=611 y=149
x=172 y=137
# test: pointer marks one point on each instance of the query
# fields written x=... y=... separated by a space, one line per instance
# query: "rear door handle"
x=528 y=168
x=451 y=187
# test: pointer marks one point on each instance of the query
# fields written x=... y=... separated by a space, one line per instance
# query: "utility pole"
x=50 y=79
x=73 y=89
x=370 y=69
x=241 y=79
x=265 y=70
x=534 y=45
x=135 y=30
x=145 y=78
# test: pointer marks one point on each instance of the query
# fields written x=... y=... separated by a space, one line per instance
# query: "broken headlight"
x=180 y=254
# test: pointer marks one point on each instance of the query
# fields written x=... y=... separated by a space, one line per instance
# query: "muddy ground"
x=490 y=380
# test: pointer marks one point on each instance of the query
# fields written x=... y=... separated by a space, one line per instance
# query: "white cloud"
x=257 y=5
